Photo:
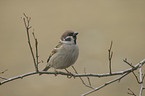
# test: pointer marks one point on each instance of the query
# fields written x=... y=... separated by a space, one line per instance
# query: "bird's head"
x=69 y=36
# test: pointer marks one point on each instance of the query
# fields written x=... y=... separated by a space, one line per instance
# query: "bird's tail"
x=45 y=69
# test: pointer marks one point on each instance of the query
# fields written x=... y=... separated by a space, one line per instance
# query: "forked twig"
x=130 y=64
x=117 y=79
x=87 y=77
x=136 y=78
x=131 y=92
x=26 y=20
x=107 y=83
x=82 y=79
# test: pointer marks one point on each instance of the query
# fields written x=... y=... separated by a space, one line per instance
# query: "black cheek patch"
x=75 y=38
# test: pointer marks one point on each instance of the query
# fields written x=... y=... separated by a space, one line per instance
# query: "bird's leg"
x=68 y=76
x=56 y=72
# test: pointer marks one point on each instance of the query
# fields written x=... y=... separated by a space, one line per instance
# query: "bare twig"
x=81 y=79
x=131 y=92
x=36 y=49
x=107 y=83
x=88 y=78
x=26 y=20
x=77 y=75
x=141 y=79
x=136 y=78
x=117 y=79
x=130 y=64
x=3 y=78
x=3 y=71
x=110 y=54
x=17 y=77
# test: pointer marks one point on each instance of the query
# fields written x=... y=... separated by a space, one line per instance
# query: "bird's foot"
x=70 y=74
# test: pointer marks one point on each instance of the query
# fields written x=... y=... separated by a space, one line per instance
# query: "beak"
x=75 y=34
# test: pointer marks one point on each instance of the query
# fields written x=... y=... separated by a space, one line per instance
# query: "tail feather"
x=46 y=68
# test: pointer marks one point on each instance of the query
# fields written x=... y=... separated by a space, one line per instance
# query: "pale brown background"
x=97 y=21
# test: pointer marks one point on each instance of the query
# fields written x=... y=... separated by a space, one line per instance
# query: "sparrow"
x=65 y=53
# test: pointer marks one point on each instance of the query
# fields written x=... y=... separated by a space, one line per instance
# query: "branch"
x=88 y=79
x=3 y=71
x=3 y=78
x=107 y=83
x=82 y=79
x=110 y=54
x=131 y=92
x=18 y=77
x=26 y=20
x=141 y=79
x=76 y=75
x=136 y=78
x=117 y=79
x=36 y=49
x=130 y=64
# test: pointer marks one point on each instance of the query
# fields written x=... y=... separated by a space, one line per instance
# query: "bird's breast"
x=65 y=57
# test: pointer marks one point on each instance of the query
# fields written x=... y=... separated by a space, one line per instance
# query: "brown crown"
x=66 y=33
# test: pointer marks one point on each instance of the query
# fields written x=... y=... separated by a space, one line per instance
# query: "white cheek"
x=72 y=39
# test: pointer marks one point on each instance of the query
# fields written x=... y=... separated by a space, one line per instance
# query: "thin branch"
x=131 y=92
x=88 y=78
x=36 y=49
x=110 y=54
x=107 y=83
x=117 y=79
x=18 y=77
x=45 y=72
x=130 y=64
x=3 y=71
x=81 y=78
x=3 y=78
x=76 y=75
x=26 y=20
x=141 y=79
x=136 y=78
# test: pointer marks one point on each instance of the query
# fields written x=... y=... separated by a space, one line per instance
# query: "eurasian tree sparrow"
x=65 y=53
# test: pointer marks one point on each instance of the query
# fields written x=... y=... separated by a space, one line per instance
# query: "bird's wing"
x=54 y=51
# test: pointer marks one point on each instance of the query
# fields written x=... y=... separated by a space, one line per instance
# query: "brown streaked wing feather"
x=59 y=45
x=54 y=51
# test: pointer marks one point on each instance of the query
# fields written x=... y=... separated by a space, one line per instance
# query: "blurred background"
x=97 y=21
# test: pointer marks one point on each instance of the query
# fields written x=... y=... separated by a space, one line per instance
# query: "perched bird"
x=65 y=53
